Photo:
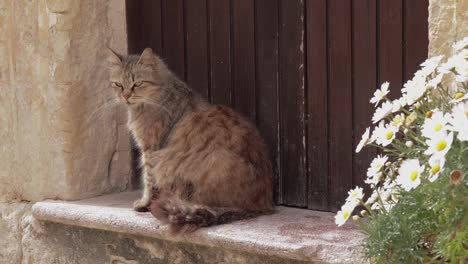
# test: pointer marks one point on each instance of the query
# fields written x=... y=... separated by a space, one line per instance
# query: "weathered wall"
x=56 y=138
x=448 y=23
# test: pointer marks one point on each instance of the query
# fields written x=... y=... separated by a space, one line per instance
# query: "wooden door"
x=304 y=71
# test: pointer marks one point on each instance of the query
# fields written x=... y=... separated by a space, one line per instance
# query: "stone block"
x=57 y=139
x=11 y=233
x=447 y=24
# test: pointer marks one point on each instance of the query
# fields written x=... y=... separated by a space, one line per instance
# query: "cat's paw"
x=141 y=205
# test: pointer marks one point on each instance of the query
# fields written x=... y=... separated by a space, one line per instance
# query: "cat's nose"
x=126 y=94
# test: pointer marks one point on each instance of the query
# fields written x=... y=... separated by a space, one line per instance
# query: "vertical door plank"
x=142 y=16
x=173 y=37
x=317 y=121
x=266 y=23
x=291 y=67
x=416 y=40
x=243 y=43
x=390 y=41
x=197 y=43
x=364 y=80
x=220 y=51
x=339 y=100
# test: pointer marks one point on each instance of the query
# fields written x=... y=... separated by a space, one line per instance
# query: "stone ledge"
x=289 y=233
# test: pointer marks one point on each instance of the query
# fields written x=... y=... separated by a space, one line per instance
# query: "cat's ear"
x=147 y=57
x=114 y=58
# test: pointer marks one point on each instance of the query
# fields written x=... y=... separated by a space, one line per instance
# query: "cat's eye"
x=138 y=84
x=116 y=84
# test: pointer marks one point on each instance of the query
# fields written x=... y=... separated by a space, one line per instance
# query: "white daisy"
x=459 y=97
x=414 y=89
x=373 y=198
x=435 y=125
x=464 y=53
x=461 y=69
x=374 y=172
x=452 y=63
x=343 y=215
x=439 y=145
x=380 y=94
x=429 y=66
x=436 y=164
x=459 y=121
x=373 y=178
x=355 y=195
x=381 y=112
x=364 y=140
x=409 y=174
x=398 y=104
x=384 y=134
x=433 y=83
x=461 y=44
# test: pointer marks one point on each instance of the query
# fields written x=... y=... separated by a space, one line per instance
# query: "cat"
x=202 y=164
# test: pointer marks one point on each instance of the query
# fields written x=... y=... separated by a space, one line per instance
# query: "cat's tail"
x=184 y=216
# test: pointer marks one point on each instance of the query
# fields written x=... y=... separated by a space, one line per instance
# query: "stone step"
x=106 y=230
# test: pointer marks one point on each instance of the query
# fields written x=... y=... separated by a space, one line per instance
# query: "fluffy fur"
x=207 y=163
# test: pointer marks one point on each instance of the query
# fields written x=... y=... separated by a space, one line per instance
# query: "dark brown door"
x=304 y=71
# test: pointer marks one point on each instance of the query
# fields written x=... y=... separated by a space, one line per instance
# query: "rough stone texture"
x=57 y=140
x=448 y=23
x=49 y=243
x=11 y=232
x=290 y=233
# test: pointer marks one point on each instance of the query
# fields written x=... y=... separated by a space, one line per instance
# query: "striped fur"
x=208 y=163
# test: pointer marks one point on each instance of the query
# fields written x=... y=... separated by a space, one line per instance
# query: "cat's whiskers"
x=112 y=103
x=156 y=104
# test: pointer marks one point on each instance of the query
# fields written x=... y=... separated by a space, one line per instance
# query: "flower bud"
x=405 y=131
x=409 y=144
x=458 y=95
x=456 y=177
x=388 y=163
x=410 y=119
x=429 y=114
x=363 y=212
x=356 y=218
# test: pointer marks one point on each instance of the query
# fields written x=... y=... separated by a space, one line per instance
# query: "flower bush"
x=417 y=211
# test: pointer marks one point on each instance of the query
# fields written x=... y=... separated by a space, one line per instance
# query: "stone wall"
x=57 y=137
x=448 y=23
x=57 y=140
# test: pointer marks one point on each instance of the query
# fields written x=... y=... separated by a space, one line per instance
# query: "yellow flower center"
x=435 y=169
x=378 y=166
x=459 y=95
x=414 y=175
x=438 y=127
x=345 y=215
x=389 y=135
x=466 y=113
x=441 y=145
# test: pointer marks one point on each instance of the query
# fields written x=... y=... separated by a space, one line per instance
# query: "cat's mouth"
x=130 y=103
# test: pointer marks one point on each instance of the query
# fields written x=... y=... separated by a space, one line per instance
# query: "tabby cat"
x=202 y=164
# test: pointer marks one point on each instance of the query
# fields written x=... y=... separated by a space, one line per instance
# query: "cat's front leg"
x=141 y=205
